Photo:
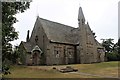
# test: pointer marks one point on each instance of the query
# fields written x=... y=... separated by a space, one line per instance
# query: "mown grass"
x=105 y=69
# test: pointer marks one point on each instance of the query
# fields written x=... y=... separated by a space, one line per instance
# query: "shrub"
x=112 y=56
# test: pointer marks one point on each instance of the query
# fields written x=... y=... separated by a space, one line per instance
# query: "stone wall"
x=28 y=59
x=60 y=54
x=22 y=52
x=88 y=45
x=42 y=40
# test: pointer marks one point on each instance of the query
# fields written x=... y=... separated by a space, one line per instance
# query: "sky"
x=119 y=20
x=102 y=16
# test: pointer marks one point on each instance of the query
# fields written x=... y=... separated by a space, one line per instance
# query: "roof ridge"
x=57 y=23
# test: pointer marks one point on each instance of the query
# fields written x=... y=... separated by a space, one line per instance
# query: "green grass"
x=105 y=69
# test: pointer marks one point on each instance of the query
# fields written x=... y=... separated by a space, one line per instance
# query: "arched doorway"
x=36 y=55
x=36 y=58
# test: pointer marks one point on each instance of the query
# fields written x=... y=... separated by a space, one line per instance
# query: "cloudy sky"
x=119 y=19
x=102 y=16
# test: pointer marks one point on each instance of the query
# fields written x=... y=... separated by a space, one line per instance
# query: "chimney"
x=27 y=39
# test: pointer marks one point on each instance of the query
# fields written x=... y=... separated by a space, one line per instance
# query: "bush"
x=6 y=66
x=5 y=69
x=113 y=56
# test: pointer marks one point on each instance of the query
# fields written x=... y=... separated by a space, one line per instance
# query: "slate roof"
x=57 y=32
x=27 y=46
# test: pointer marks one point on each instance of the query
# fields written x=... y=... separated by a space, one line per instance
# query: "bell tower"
x=87 y=43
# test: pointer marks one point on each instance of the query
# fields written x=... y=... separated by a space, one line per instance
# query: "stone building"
x=53 y=43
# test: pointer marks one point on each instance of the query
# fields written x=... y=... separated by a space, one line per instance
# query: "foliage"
x=118 y=45
x=15 y=55
x=9 y=10
x=112 y=49
x=8 y=19
x=112 y=56
x=108 y=44
x=5 y=69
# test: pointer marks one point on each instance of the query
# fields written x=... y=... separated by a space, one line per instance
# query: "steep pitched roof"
x=27 y=46
x=57 y=32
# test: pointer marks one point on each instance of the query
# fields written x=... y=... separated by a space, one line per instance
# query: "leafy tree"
x=15 y=55
x=108 y=44
x=112 y=56
x=112 y=50
x=115 y=47
x=118 y=49
x=9 y=10
x=119 y=45
x=8 y=19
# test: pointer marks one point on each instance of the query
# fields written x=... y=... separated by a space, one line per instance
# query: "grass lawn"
x=102 y=69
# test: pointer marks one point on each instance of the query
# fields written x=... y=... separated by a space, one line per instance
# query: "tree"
x=108 y=44
x=118 y=48
x=119 y=45
x=112 y=50
x=15 y=55
x=115 y=47
x=9 y=9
